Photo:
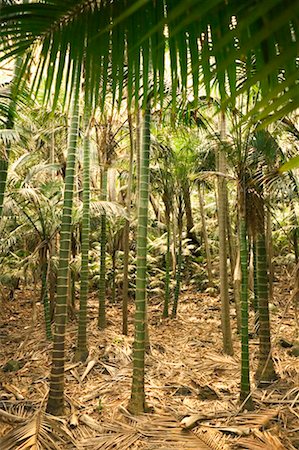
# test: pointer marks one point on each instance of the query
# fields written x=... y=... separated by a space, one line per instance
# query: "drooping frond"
x=7 y=136
x=119 y=40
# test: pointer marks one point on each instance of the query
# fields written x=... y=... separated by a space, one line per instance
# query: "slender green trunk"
x=237 y=290
x=52 y=280
x=294 y=235
x=245 y=394
x=270 y=254
x=102 y=283
x=137 y=403
x=127 y=234
x=189 y=216
x=265 y=372
x=255 y=288
x=55 y=404
x=44 y=292
x=167 y=267
x=205 y=235
x=230 y=237
x=179 y=259
x=113 y=282
x=82 y=349
x=137 y=146
x=3 y=177
x=222 y=221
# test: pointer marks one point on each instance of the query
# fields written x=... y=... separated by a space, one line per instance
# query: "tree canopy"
x=121 y=43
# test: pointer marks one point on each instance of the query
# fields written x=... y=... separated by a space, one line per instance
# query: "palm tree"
x=82 y=350
x=245 y=394
x=127 y=231
x=55 y=404
x=258 y=38
x=178 y=274
x=222 y=224
x=137 y=402
x=162 y=179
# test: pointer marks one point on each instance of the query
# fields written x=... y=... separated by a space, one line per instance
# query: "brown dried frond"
x=260 y=441
x=40 y=432
x=151 y=432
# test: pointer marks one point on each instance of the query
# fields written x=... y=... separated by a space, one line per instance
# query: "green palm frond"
x=200 y=38
x=8 y=136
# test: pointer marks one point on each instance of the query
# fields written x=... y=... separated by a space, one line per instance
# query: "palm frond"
x=41 y=432
x=115 y=41
x=43 y=167
x=156 y=431
x=261 y=441
x=111 y=209
x=8 y=136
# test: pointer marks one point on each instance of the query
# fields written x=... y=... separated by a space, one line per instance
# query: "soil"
x=188 y=379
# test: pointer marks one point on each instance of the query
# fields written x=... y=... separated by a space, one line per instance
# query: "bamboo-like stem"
x=44 y=291
x=222 y=212
x=102 y=282
x=137 y=403
x=55 y=404
x=127 y=233
x=82 y=349
x=270 y=253
x=167 y=267
x=205 y=235
x=265 y=372
x=179 y=258
x=245 y=393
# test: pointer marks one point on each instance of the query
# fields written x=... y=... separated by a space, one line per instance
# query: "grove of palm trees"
x=149 y=260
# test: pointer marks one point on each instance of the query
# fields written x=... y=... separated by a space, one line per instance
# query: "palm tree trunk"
x=189 y=216
x=265 y=372
x=82 y=349
x=205 y=235
x=222 y=221
x=294 y=236
x=55 y=404
x=44 y=291
x=230 y=237
x=167 y=265
x=245 y=396
x=137 y=403
x=255 y=288
x=237 y=290
x=270 y=254
x=102 y=282
x=127 y=233
x=113 y=275
x=179 y=258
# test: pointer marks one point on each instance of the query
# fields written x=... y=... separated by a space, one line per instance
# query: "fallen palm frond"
x=14 y=412
x=214 y=361
x=213 y=438
x=261 y=441
x=256 y=420
x=40 y=432
x=157 y=431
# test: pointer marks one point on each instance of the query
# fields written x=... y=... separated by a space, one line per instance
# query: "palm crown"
x=237 y=43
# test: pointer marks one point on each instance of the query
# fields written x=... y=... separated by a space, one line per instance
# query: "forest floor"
x=187 y=375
